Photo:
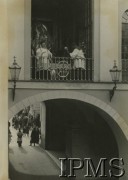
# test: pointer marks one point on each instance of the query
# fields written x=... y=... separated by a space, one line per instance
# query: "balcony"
x=62 y=69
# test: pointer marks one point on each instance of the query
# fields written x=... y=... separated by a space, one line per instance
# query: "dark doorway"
x=78 y=130
x=67 y=21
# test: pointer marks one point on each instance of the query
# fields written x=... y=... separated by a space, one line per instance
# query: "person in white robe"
x=43 y=56
x=79 y=59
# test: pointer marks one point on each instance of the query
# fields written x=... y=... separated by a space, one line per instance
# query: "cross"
x=14 y=59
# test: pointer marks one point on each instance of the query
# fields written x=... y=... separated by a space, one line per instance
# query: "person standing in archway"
x=19 y=138
x=37 y=135
x=33 y=136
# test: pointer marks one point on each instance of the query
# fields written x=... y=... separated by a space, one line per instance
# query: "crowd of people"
x=26 y=124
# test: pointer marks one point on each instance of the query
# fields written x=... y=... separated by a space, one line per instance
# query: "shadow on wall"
x=79 y=130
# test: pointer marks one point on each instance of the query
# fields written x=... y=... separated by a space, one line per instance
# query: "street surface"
x=31 y=162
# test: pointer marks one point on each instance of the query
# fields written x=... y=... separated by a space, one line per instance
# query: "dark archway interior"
x=78 y=130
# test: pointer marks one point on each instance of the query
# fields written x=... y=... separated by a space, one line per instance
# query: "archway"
x=114 y=120
x=76 y=129
x=107 y=109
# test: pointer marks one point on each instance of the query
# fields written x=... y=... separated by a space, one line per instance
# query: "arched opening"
x=77 y=128
x=63 y=114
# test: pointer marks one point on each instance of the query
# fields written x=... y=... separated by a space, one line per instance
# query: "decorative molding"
x=68 y=85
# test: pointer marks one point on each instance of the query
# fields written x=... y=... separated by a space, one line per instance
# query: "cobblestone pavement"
x=30 y=162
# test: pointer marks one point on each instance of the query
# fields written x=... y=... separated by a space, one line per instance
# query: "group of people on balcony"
x=44 y=60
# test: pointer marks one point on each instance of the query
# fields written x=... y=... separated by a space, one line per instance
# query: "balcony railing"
x=125 y=70
x=62 y=69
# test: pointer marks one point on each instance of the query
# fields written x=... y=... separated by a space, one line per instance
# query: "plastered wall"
x=106 y=35
x=16 y=33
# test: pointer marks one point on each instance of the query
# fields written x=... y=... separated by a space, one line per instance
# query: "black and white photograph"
x=64 y=90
